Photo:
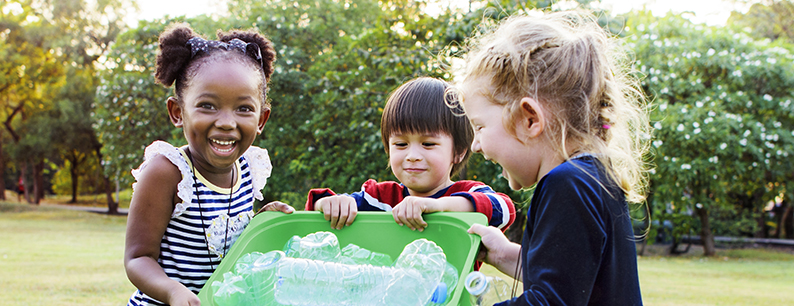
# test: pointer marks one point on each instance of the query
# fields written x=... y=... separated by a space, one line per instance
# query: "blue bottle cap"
x=440 y=295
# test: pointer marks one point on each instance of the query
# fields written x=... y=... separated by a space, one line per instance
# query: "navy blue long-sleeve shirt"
x=578 y=246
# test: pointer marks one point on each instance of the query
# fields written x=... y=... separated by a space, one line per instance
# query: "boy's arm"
x=496 y=206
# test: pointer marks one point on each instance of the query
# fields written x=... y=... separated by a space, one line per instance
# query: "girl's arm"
x=150 y=211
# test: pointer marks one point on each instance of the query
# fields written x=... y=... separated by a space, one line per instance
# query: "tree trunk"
x=761 y=222
x=23 y=168
x=787 y=222
x=38 y=182
x=2 y=172
x=706 y=236
x=780 y=218
x=75 y=179
x=113 y=206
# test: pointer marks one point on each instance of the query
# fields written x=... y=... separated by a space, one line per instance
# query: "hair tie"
x=606 y=126
x=198 y=44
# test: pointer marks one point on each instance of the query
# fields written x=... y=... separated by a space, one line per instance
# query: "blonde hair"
x=580 y=75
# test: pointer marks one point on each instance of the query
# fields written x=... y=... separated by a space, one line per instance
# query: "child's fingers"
x=351 y=216
x=344 y=214
x=478 y=229
x=334 y=211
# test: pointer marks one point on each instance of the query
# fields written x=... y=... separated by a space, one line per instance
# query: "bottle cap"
x=440 y=295
x=476 y=283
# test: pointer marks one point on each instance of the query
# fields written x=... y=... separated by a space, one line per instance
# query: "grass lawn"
x=61 y=257
x=51 y=256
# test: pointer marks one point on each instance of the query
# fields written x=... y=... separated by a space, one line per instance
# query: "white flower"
x=699 y=104
x=710 y=52
x=680 y=127
x=696 y=131
x=723 y=146
x=746 y=133
x=686 y=136
x=737 y=73
x=743 y=142
x=657 y=143
x=657 y=125
x=686 y=166
x=767 y=97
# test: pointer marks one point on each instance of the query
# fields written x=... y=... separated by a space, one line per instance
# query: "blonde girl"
x=550 y=100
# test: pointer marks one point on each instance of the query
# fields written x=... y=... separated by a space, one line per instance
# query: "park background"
x=78 y=104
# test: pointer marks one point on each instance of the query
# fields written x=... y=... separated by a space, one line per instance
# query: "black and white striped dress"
x=185 y=254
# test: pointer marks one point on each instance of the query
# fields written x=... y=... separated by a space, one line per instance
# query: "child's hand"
x=184 y=298
x=409 y=212
x=341 y=210
x=494 y=242
x=277 y=206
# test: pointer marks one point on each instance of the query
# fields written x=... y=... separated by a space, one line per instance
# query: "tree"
x=773 y=19
x=723 y=120
x=56 y=45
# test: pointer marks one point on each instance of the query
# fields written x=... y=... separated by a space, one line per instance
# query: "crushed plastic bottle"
x=231 y=291
x=356 y=255
x=410 y=281
x=486 y=290
x=314 y=271
x=319 y=246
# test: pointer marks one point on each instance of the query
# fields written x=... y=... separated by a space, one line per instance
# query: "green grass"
x=50 y=256
x=61 y=257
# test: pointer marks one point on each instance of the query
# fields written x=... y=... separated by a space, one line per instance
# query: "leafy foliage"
x=723 y=117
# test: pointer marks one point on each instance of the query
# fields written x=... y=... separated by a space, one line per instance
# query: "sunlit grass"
x=61 y=257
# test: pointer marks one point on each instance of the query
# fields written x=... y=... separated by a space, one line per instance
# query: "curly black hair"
x=175 y=65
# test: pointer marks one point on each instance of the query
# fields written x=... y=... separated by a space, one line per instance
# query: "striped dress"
x=195 y=239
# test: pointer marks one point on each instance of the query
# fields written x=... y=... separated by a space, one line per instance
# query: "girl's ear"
x=174 y=111
x=263 y=119
x=532 y=120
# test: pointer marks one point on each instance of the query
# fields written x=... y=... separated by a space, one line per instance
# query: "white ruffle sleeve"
x=184 y=188
x=259 y=161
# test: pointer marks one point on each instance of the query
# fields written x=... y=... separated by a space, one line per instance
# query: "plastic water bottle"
x=446 y=287
x=320 y=246
x=356 y=255
x=486 y=290
x=410 y=281
x=231 y=291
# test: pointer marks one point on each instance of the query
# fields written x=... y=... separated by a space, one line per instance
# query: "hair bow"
x=198 y=44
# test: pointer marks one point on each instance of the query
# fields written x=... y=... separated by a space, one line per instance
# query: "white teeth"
x=223 y=143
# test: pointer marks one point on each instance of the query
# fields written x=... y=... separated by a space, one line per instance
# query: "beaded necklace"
x=201 y=214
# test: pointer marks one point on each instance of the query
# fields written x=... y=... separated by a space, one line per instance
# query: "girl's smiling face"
x=520 y=160
x=422 y=162
x=221 y=114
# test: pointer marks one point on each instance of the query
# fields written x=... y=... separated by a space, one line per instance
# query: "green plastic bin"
x=375 y=231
